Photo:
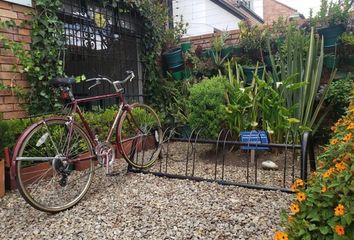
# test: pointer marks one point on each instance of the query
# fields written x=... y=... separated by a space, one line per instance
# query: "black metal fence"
x=102 y=39
x=223 y=161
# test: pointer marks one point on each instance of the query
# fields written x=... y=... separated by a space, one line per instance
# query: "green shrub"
x=339 y=91
x=325 y=209
x=206 y=105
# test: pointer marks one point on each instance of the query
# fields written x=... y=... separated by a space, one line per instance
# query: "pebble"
x=143 y=206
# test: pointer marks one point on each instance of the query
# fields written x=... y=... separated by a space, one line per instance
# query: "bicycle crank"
x=105 y=155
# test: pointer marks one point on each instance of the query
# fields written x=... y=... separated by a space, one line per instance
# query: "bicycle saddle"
x=61 y=81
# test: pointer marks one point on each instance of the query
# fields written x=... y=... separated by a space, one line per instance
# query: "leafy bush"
x=325 y=209
x=206 y=105
x=339 y=91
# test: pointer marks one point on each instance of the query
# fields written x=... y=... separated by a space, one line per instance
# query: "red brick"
x=6 y=52
x=12 y=115
x=6 y=108
x=20 y=38
x=9 y=30
x=7 y=13
x=23 y=31
x=9 y=75
x=10 y=99
x=22 y=16
x=23 y=83
x=17 y=107
x=5 y=5
x=5 y=93
x=21 y=9
x=6 y=67
x=1 y=100
x=9 y=36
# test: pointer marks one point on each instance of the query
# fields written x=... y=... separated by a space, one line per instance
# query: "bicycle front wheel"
x=54 y=165
x=139 y=136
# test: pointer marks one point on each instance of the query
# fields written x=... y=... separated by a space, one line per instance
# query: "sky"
x=303 y=6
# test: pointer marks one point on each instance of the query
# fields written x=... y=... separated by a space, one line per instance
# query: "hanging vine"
x=44 y=60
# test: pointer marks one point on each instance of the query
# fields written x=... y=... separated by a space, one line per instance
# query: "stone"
x=269 y=165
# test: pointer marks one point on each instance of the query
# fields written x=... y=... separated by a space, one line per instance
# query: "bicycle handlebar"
x=98 y=80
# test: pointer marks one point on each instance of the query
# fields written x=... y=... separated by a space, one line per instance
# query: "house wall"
x=203 y=17
x=9 y=103
x=272 y=10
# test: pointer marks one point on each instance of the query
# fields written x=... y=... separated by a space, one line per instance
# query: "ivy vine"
x=44 y=60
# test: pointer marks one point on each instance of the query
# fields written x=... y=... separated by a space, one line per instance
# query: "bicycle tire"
x=41 y=141
x=139 y=133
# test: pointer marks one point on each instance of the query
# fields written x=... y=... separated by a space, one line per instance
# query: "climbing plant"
x=44 y=60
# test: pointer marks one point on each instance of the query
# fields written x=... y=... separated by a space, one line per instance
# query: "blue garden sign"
x=254 y=137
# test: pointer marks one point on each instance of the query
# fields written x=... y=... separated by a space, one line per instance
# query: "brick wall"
x=273 y=9
x=9 y=104
x=206 y=40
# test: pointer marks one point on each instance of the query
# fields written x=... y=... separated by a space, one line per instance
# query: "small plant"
x=324 y=206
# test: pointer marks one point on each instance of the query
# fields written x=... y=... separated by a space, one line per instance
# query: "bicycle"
x=58 y=144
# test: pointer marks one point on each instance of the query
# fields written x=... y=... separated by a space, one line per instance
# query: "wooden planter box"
x=2 y=178
x=85 y=164
x=29 y=174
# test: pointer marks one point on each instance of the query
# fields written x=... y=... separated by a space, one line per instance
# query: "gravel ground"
x=137 y=206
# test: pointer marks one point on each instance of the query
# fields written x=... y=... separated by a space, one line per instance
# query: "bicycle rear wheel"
x=54 y=168
x=139 y=136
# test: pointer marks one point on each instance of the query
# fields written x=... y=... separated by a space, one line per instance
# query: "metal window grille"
x=102 y=40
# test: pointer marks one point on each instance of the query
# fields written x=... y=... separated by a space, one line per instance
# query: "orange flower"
x=290 y=218
x=293 y=187
x=320 y=164
x=280 y=236
x=328 y=173
x=340 y=230
x=353 y=148
x=352 y=109
x=339 y=210
x=299 y=182
x=333 y=129
x=347 y=137
x=301 y=196
x=324 y=189
x=334 y=141
x=351 y=126
x=347 y=158
x=340 y=166
x=294 y=208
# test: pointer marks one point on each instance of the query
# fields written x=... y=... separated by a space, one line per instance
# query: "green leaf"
x=324 y=230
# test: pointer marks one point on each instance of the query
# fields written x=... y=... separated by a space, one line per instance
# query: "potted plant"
x=347 y=50
x=172 y=54
x=331 y=20
x=252 y=41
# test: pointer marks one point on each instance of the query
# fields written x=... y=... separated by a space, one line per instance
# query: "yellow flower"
x=293 y=187
x=324 y=189
x=340 y=166
x=347 y=137
x=294 y=208
x=280 y=236
x=299 y=182
x=340 y=230
x=334 y=141
x=352 y=109
x=339 y=210
x=301 y=196
x=351 y=126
